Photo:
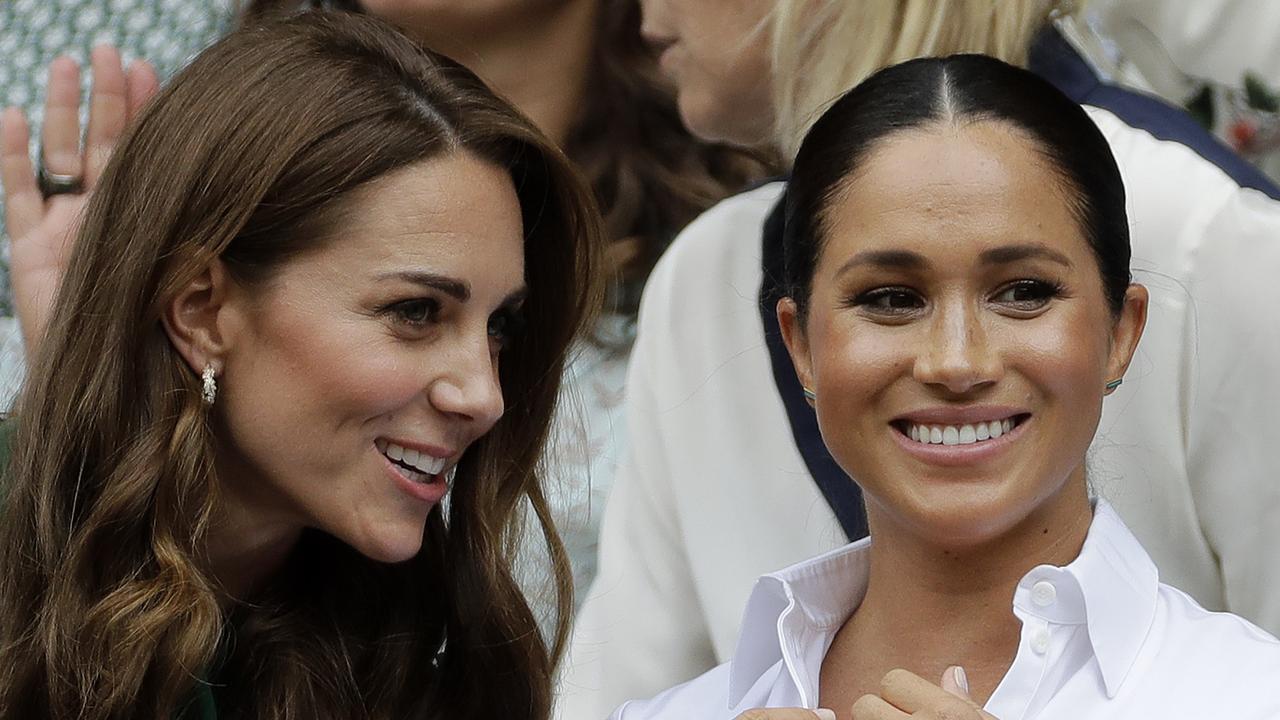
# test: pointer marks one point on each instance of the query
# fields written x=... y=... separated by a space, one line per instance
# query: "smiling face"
x=957 y=337
x=717 y=54
x=353 y=382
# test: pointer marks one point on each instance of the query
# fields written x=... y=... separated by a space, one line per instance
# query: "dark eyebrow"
x=447 y=285
x=1014 y=253
x=907 y=260
x=900 y=259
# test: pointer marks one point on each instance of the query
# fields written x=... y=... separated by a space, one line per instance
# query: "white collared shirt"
x=1101 y=638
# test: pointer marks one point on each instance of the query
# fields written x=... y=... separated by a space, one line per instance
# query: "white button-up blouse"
x=1101 y=638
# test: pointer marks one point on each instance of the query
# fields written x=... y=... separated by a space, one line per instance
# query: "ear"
x=1127 y=331
x=796 y=340
x=196 y=317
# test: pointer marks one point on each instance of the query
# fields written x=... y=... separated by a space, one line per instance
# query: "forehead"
x=455 y=213
x=953 y=190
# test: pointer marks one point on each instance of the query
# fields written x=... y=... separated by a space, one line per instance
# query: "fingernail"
x=825 y=714
x=962 y=680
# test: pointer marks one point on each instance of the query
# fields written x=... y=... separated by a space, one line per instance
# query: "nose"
x=470 y=389
x=958 y=354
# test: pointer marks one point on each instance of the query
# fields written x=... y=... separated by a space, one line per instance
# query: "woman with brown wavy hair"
x=290 y=323
x=580 y=70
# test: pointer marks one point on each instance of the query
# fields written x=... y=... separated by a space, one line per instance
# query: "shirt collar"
x=1111 y=587
x=1120 y=585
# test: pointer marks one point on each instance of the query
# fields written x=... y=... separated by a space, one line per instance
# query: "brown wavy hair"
x=650 y=176
x=108 y=608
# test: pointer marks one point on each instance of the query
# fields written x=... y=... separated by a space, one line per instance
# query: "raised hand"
x=42 y=214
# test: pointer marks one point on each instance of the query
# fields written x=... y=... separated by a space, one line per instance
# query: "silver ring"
x=51 y=184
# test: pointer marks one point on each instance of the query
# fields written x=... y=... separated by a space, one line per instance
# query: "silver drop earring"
x=209 y=392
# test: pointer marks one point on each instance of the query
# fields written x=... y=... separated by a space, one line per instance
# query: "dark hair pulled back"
x=949 y=91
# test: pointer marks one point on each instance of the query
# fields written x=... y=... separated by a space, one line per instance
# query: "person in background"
x=290 y=326
x=958 y=306
x=580 y=70
x=727 y=476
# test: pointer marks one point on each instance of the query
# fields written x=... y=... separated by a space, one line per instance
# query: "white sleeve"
x=1216 y=39
x=1233 y=440
x=642 y=625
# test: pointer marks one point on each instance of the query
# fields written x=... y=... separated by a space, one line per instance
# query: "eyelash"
x=504 y=327
x=416 y=313
x=1044 y=290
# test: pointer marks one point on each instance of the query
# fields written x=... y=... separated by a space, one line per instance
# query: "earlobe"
x=1126 y=333
x=194 y=319
x=797 y=342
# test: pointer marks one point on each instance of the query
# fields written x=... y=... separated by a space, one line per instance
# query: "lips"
x=959 y=436
x=418 y=464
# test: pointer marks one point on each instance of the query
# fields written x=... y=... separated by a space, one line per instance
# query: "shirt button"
x=1043 y=593
x=1040 y=641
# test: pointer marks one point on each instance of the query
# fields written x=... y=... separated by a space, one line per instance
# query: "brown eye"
x=416 y=312
x=889 y=301
x=1027 y=295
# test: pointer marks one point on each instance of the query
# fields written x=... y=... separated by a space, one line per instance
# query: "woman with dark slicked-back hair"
x=958 y=306
x=728 y=476
x=326 y=278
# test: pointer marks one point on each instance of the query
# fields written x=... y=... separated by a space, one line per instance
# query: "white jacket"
x=715 y=492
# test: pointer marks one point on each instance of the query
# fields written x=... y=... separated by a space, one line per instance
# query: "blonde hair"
x=821 y=48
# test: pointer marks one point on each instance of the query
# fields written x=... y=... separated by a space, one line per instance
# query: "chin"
x=964 y=519
x=390 y=549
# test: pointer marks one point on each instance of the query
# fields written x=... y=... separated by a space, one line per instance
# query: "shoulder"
x=723 y=241
x=1193 y=648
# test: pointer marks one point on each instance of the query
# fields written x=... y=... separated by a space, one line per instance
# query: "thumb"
x=956 y=682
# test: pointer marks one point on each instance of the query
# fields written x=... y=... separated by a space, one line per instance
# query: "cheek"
x=1063 y=358
x=312 y=374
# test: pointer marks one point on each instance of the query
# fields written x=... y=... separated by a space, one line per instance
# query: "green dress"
x=201 y=706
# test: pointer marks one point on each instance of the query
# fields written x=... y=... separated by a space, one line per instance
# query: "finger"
x=910 y=692
x=60 y=135
x=143 y=83
x=956 y=682
x=23 y=206
x=871 y=707
x=787 y=714
x=108 y=110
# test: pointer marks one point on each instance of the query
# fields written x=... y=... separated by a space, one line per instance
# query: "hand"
x=42 y=230
x=906 y=695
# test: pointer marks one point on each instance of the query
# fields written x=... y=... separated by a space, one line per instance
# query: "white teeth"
x=959 y=434
x=420 y=461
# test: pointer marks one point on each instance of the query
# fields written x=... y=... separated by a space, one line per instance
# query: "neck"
x=247 y=541
x=538 y=60
x=931 y=605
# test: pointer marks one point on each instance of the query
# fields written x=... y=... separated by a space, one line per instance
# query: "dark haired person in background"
x=958 y=305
